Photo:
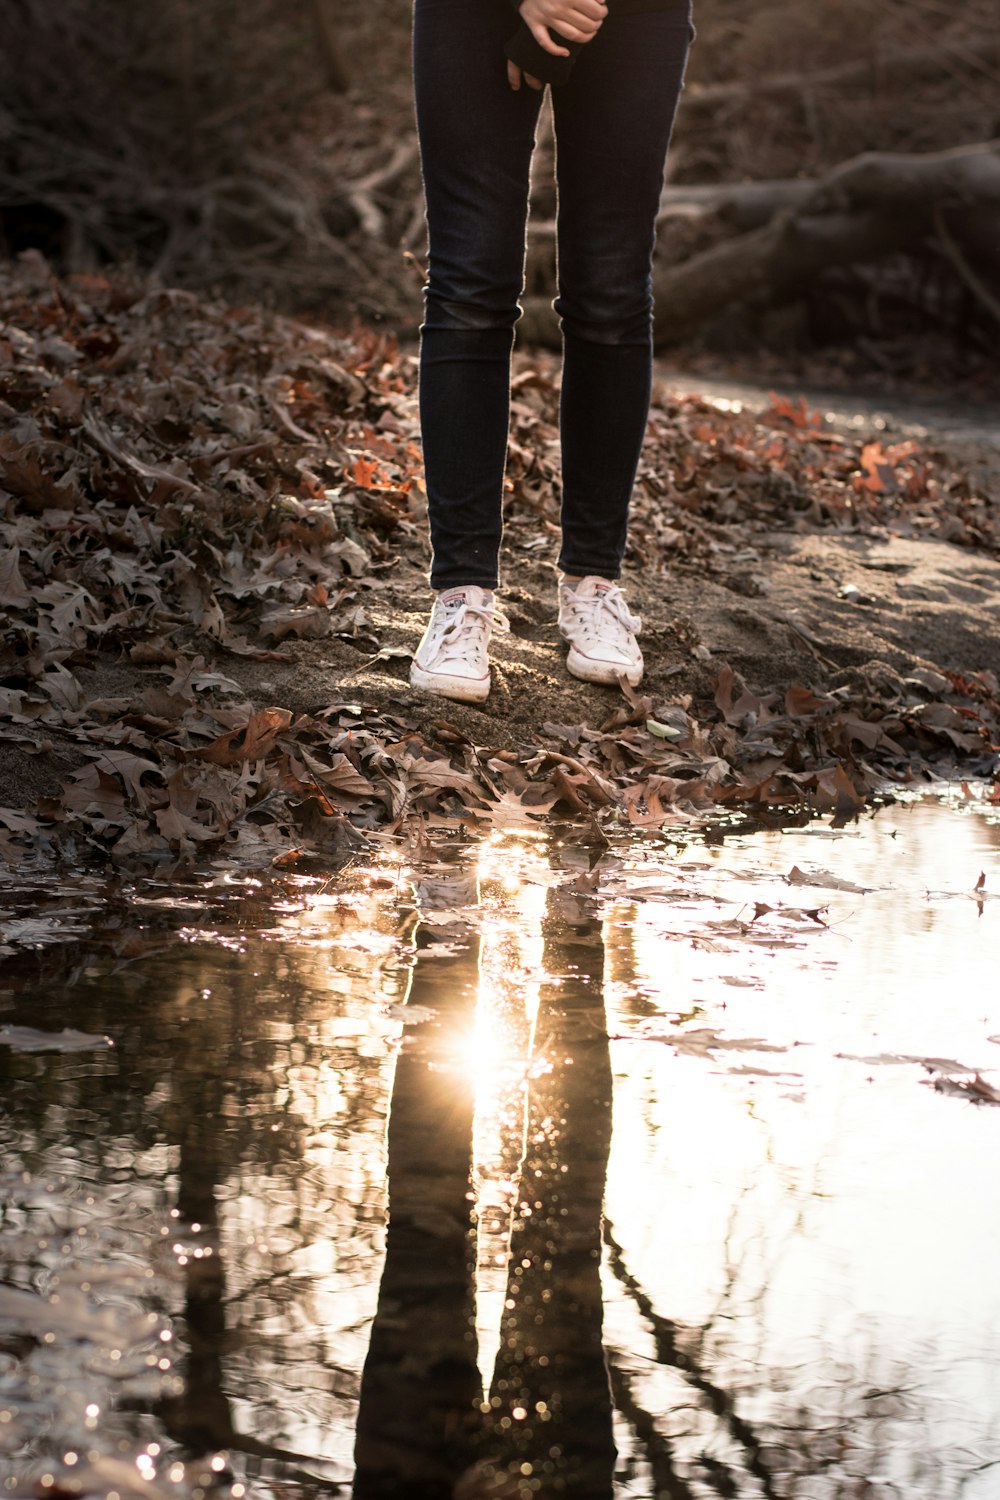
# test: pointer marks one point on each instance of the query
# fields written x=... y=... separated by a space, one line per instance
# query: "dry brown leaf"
x=340 y=774
x=747 y=707
x=93 y=788
x=306 y=623
x=252 y=741
x=23 y=473
x=13 y=593
x=327 y=828
x=802 y=701
x=511 y=811
x=427 y=777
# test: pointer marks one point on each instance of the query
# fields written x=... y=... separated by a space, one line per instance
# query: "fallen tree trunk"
x=869 y=207
x=743 y=205
x=899 y=68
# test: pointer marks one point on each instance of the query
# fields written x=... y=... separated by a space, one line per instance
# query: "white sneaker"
x=595 y=620
x=453 y=655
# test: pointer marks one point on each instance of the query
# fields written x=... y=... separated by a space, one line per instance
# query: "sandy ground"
x=811 y=608
x=815 y=609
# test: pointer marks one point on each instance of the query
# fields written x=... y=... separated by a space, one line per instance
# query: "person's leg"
x=613 y=122
x=476 y=138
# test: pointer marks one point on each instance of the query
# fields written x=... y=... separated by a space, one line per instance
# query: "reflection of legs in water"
x=200 y=1416
x=551 y=1402
x=420 y=1390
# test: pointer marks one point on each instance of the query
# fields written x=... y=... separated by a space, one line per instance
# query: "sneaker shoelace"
x=605 y=616
x=466 y=631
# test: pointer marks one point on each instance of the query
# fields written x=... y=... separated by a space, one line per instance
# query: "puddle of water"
x=771 y=1058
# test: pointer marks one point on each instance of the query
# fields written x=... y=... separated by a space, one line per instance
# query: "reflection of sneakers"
x=595 y=620
x=453 y=656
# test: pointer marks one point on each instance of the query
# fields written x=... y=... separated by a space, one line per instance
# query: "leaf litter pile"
x=196 y=499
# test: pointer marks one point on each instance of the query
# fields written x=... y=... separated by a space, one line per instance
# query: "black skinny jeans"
x=613 y=120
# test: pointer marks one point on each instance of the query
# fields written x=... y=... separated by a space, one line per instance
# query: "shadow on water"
x=510 y=1177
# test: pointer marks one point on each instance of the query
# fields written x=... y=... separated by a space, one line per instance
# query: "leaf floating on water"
x=977 y=1088
x=789 y=913
x=42 y=931
x=701 y=1041
x=932 y=1064
x=826 y=881
x=27 y=1039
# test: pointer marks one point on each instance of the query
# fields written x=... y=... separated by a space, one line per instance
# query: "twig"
x=102 y=439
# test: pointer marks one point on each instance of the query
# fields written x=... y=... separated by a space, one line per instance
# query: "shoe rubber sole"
x=460 y=689
x=604 y=672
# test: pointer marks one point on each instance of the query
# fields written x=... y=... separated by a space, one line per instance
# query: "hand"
x=576 y=20
x=515 y=75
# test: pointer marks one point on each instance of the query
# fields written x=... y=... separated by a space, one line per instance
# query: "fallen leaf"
x=977 y=1088
x=663 y=731
x=306 y=623
x=13 y=593
x=825 y=881
x=252 y=741
x=28 y=1039
x=511 y=811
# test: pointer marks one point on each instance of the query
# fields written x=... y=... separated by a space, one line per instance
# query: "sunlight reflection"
x=507 y=1003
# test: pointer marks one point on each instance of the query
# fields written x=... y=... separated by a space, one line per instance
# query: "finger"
x=589 y=20
x=572 y=32
x=533 y=82
x=585 y=15
x=541 y=35
x=514 y=76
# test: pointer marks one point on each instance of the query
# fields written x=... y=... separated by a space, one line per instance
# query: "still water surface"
x=687 y=1148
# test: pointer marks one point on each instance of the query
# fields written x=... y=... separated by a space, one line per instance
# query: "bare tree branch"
x=883 y=70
